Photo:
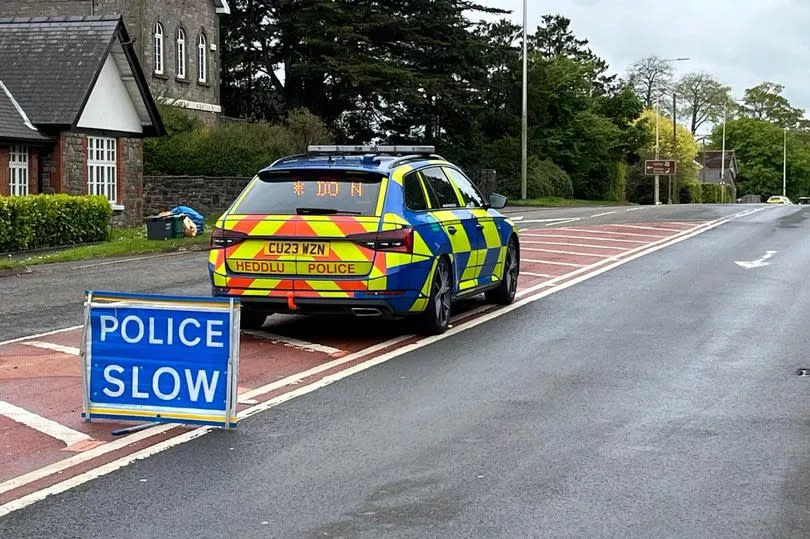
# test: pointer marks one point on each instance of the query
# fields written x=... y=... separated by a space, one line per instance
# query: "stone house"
x=176 y=41
x=711 y=162
x=74 y=108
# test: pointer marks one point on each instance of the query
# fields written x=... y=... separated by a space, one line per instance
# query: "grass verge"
x=122 y=242
x=557 y=202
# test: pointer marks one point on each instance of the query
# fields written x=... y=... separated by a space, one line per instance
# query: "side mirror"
x=497 y=201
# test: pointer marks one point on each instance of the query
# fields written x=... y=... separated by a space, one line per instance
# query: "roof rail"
x=360 y=149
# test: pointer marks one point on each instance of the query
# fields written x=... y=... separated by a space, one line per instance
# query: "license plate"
x=300 y=248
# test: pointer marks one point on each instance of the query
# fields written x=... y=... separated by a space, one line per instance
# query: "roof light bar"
x=371 y=149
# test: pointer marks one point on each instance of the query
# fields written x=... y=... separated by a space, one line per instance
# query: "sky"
x=739 y=42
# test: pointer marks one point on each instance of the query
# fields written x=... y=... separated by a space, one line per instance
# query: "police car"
x=363 y=231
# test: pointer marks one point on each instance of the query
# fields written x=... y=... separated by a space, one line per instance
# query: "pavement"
x=644 y=384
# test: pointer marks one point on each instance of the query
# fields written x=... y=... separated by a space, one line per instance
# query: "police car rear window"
x=311 y=193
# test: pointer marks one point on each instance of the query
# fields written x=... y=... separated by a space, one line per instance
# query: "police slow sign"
x=161 y=358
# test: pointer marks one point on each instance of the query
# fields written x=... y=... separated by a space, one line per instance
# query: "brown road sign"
x=659 y=166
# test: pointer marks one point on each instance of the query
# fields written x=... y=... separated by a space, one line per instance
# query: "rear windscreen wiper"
x=325 y=211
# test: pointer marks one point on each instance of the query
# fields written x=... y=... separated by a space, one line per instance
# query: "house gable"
x=110 y=105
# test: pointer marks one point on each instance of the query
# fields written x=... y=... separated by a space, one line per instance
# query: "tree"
x=758 y=145
x=766 y=102
x=649 y=78
x=703 y=99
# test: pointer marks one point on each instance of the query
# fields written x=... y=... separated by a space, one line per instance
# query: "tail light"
x=400 y=240
x=221 y=238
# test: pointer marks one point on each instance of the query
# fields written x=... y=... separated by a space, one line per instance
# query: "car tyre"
x=436 y=317
x=251 y=318
x=504 y=294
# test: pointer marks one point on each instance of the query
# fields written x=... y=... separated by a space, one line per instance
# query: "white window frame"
x=202 y=58
x=18 y=170
x=158 y=48
x=102 y=167
x=181 y=53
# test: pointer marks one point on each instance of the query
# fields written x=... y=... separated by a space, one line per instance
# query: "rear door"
x=446 y=208
x=299 y=224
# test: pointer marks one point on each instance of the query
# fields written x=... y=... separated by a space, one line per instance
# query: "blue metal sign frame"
x=168 y=359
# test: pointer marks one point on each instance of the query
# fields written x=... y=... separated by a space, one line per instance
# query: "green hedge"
x=544 y=179
x=691 y=193
x=714 y=193
x=228 y=149
x=39 y=221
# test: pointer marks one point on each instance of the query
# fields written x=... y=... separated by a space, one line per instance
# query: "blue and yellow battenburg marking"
x=476 y=249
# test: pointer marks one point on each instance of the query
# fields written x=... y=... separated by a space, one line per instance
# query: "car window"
x=300 y=191
x=442 y=193
x=469 y=194
x=413 y=192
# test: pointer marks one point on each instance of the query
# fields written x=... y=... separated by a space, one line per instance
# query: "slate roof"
x=50 y=63
x=713 y=158
x=13 y=123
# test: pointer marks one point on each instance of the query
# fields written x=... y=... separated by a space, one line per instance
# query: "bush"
x=235 y=149
x=711 y=193
x=691 y=193
x=38 y=221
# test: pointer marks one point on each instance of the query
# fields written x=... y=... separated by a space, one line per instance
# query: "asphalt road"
x=51 y=296
x=657 y=399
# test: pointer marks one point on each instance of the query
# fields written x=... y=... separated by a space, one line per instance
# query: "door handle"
x=479 y=227
x=451 y=229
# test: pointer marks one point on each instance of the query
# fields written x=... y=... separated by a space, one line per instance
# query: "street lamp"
x=784 y=165
x=674 y=137
x=524 y=117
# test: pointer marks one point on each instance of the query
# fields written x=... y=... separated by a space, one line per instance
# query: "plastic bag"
x=189 y=228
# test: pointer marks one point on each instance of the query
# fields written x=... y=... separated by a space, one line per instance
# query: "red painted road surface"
x=41 y=375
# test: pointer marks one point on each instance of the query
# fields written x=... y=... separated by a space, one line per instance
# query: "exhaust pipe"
x=366 y=311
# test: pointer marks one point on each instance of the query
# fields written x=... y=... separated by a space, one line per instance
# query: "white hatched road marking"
x=566 y=252
x=72 y=350
x=570 y=265
x=639 y=227
x=569 y=244
x=147 y=452
x=601 y=214
x=44 y=425
x=562 y=221
x=39 y=335
x=634 y=234
x=295 y=343
x=532 y=274
x=587 y=238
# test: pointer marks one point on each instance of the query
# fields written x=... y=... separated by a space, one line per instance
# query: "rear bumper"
x=388 y=306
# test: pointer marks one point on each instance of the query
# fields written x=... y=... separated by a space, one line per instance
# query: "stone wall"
x=74 y=163
x=209 y=196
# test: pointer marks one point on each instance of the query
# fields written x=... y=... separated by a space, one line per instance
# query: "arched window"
x=202 y=59
x=181 y=53
x=158 y=48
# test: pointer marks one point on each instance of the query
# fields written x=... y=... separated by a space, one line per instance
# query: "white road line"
x=639 y=227
x=563 y=221
x=633 y=209
x=39 y=335
x=297 y=377
x=585 y=238
x=565 y=252
x=133 y=259
x=110 y=467
x=517 y=218
x=294 y=343
x=601 y=214
x=569 y=244
x=44 y=425
x=72 y=350
x=531 y=274
x=552 y=220
x=568 y=264
x=633 y=234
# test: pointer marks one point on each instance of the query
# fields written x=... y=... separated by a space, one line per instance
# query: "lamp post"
x=524 y=117
x=657 y=200
x=784 y=165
